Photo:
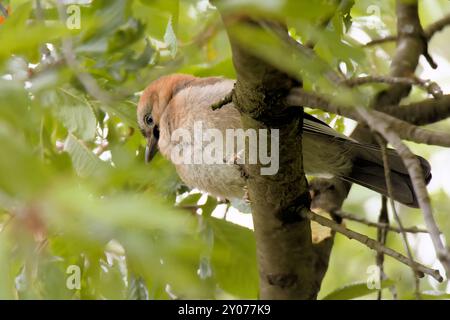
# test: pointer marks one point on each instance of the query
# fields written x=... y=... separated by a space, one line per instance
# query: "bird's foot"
x=246 y=195
x=243 y=171
x=235 y=160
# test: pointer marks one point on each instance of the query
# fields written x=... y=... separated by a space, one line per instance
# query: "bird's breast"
x=224 y=181
x=193 y=137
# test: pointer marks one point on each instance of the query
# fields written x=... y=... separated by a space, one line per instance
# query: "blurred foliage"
x=74 y=189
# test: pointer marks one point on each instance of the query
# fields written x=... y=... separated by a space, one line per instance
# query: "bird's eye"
x=148 y=120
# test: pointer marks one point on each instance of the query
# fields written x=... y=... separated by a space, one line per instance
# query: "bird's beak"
x=152 y=148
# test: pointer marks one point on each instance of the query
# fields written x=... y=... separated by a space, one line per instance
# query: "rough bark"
x=290 y=266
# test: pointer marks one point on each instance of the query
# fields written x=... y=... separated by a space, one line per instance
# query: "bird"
x=178 y=101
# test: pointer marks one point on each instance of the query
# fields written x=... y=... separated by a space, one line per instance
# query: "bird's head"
x=152 y=105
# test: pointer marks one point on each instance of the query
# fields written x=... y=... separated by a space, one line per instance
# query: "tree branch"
x=415 y=171
x=421 y=113
x=387 y=174
x=430 y=31
x=429 y=86
x=254 y=92
x=287 y=259
x=437 y=26
x=355 y=218
x=384 y=124
x=372 y=244
x=407 y=131
x=411 y=44
x=225 y=100
x=380 y=41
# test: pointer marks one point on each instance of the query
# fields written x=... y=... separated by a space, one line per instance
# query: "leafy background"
x=74 y=189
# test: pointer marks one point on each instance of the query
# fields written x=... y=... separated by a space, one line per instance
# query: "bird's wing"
x=313 y=125
x=360 y=151
x=364 y=151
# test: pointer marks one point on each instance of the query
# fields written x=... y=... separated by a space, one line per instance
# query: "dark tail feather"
x=368 y=171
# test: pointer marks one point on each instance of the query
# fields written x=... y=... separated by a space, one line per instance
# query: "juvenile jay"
x=178 y=101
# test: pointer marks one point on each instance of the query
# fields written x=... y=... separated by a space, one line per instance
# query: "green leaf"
x=21 y=171
x=435 y=296
x=20 y=37
x=131 y=32
x=126 y=111
x=356 y=290
x=171 y=39
x=84 y=160
x=429 y=296
x=156 y=14
x=7 y=285
x=234 y=259
x=209 y=206
x=190 y=200
x=79 y=119
x=159 y=242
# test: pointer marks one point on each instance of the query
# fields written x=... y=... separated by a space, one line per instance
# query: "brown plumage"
x=178 y=101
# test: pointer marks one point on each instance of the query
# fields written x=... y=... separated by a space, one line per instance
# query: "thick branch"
x=410 y=46
x=421 y=113
x=418 y=113
x=407 y=131
x=287 y=259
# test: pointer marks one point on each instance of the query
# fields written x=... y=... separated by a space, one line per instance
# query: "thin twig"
x=411 y=43
x=371 y=243
x=429 y=86
x=380 y=41
x=417 y=177
x=387 y=174
x=224 y=101
x=437 y=26
x=352 y=217
x=429 y=32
